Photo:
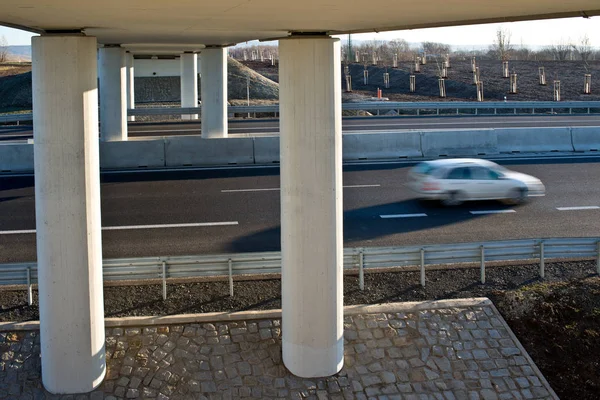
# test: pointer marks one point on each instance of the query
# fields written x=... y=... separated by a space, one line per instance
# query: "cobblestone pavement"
x=451 y=351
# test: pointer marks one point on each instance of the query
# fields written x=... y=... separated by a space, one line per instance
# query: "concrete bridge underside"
x=67 y=185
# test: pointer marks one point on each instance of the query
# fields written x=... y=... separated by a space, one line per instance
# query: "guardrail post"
x=230 y=277
x=542 y=266
x=164 y=280
x=423 y=267
x=598 y=258
x=29 y=289
x=361 y=270
x=482 y=265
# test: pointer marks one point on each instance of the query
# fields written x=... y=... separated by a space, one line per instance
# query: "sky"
x=529 y=33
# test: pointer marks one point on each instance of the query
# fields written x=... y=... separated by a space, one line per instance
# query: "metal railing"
x=362 y=258
x=419 y=108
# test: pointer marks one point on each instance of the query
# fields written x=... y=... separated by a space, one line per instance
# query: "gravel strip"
x=146 y=300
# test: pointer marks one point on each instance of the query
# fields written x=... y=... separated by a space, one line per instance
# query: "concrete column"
x=189 y=82
x=213 y=88
x=67 y=205
x=113 y=94
x=311 y=205
x=130 y=85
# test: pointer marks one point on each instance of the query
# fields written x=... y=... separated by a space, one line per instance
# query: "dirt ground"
x=557 y=319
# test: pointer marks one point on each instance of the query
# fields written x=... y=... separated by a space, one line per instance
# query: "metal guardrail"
x=586 y=107
x=362 y=259
x=15 y=117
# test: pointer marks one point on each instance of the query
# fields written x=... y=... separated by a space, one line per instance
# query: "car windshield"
x=424 y=168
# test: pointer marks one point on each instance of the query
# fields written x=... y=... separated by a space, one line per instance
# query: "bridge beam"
x=213 y=90
x=113 y=94
x=67 y=203
x=311 y=205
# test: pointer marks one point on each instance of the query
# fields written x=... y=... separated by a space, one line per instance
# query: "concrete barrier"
x=586 y=138
x=266 y=149
x=529 y=140
x=132 y=154
x=193 y=150
x=476 y=142
x=16 y=157
x=381 y=145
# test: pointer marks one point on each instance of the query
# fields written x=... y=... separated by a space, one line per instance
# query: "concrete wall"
x=193 y=150
x=586 y=138
x=179 y=151
x=16 y=158
x=132 y=154
x=266 y=150
x=527 y=140
x=369 y=146
x=476 y=142
x=156 y=68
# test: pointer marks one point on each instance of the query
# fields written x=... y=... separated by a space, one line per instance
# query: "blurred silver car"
x=454 y=181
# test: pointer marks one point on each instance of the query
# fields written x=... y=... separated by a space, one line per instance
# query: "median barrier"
x=266 y=150
x=193 y=150
x=132 y=154
x=531 y=140
x=375 y=145
x=476 y=142
x=16 y=157
x=586 y=138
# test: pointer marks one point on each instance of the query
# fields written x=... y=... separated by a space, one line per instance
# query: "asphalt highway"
x=230 y=210
x=261 y=127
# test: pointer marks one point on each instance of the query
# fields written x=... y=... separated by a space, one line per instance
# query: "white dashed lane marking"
x=482 y=212
x=277 y=189
x=403 y=215
x=130 y=227
x=577 y=208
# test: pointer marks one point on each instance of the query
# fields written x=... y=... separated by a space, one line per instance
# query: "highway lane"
x=245 y=205
x=259 y=127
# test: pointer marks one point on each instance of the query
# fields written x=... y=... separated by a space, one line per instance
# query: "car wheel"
x=517 y=196
x=453 y=199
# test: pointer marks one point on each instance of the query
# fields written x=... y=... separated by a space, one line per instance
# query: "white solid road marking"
x=249 y=190
x=129 y=227
x=403 y=215
x=361 y=186
x=17 y=232
x=577 y=208
x=492 y=212
x=276 y=189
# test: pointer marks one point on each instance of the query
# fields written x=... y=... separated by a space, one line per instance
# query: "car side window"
x=459 y=173
x=481 y=173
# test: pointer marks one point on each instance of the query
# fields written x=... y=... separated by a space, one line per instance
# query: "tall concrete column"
x=213 y=89
x=130 y=85
x=189 y=82
x=113 y=94
x=67 y=205
x=311 y=205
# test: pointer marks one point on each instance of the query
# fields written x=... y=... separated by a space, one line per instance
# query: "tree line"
x=385 y=51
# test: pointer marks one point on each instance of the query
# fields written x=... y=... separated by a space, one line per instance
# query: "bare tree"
x=501 y=48
x=435 y=49
x=561 y=50
x=3 y=49
x=583 y=48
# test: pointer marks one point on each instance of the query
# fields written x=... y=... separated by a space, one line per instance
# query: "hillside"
x=459 y=85
x=15 y=86
x=15 y=82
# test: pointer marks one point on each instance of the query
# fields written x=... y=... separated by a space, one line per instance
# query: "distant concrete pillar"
x=189 y=83
x=130 y=85
x=113 y=94
x=213 y=88
x=67 y=205
x=311 y=205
